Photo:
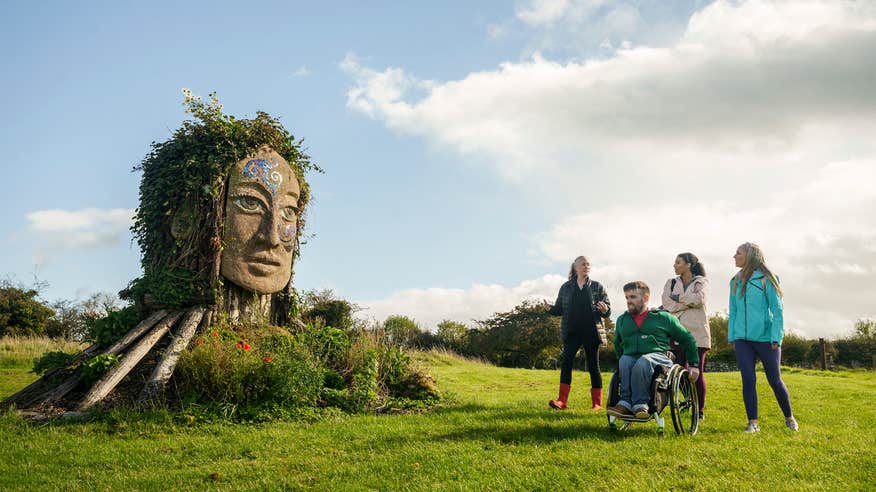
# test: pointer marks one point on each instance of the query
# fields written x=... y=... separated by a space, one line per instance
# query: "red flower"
x=215 y=333
x=267 y=359
x=239 y=345
x=246 y=347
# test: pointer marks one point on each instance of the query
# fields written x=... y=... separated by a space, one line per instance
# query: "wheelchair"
x=670 y=386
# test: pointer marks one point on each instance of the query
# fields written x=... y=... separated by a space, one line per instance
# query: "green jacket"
x=657 y=330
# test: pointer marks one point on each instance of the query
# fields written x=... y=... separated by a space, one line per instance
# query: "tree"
x=452 y=335
x=334 y=312
x=21 y=313
x=865 y=328
x=401 y=330
x=526 y=336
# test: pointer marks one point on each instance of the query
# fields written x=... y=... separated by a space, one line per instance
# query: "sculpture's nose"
x=269 y=230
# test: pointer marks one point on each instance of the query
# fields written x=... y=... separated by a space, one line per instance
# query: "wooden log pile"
x=51 y=394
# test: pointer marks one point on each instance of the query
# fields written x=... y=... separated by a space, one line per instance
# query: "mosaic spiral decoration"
x=265 y=171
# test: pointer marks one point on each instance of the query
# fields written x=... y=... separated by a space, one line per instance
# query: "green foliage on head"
x=184 y=186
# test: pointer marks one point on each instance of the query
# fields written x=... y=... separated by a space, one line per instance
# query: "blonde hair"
x=754 y=260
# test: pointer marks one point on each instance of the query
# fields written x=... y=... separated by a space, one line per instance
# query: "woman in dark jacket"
x=583 y=304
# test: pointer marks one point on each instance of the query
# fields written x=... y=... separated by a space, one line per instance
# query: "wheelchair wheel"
x=683 y=401
x=614 y=424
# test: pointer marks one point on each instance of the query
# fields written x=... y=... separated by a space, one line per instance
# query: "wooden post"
x=109 y=381
x=162 y=372
x=823 y=354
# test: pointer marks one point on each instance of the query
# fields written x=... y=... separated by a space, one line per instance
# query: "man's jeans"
x=635 y=377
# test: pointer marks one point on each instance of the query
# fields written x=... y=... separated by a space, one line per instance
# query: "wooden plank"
x=109 y=381
x=71 y=382
x=162 y=372
x=136 y=332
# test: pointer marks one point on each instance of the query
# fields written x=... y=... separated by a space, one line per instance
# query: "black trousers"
x=574 y=341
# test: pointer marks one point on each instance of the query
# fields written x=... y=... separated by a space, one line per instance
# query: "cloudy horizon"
x=466 y=171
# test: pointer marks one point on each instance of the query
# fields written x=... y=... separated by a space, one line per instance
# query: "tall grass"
x=21 y=351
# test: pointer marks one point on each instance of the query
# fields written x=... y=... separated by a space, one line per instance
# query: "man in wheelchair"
x=641 y=340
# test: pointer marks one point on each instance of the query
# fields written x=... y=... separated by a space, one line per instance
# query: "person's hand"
x=602 y=307
x=775 y=346
x=547 y=305
x=694 y=374
x=733 y=345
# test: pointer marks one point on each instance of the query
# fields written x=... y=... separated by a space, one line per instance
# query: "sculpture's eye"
x=289 y=213
x=249 y=204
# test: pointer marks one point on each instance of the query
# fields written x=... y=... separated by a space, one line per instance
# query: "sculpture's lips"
x=265 y=261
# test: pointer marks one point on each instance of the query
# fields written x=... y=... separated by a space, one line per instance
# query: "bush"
x=107 y=330
x=96 y=367
x=224 y=368
x=797 y=351
x=260 y=371
x=857 y=351
x=49 y=361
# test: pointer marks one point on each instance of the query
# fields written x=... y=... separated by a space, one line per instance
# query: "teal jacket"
x=657 y=330
x=756 y=316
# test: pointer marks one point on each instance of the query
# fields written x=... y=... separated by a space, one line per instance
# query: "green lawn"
x=494 y=433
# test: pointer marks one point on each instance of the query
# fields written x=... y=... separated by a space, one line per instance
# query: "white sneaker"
x=792 y=424
x=752 y=427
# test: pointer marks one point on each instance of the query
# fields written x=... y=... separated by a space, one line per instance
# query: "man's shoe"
x=752 y=427
x=792 y=424
x=618 y=411
x=642 y=412
x=701 y=417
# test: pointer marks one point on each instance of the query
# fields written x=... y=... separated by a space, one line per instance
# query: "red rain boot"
x=596 y=397
x=560 y=402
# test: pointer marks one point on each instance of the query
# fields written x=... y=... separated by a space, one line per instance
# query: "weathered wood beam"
x=162 y=372
x=62 y=389
x=109 y=381
x=136 y=332
x=32 y=393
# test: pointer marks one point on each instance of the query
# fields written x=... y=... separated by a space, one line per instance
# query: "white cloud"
x=542 y=12
x=724 y=86
x=756 y=123
x=817 y=238
x=88 y=227
x=430 y=306
x=302 y=71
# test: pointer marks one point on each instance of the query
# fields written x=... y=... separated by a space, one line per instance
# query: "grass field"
x=495 y=432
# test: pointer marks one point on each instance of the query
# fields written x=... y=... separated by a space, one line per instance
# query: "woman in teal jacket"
x=756 y=329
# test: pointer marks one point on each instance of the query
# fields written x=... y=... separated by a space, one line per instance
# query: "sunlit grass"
x=21 y=351
x=494 y=432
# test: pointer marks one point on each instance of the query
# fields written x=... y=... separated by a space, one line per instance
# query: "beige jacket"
x=691 y=308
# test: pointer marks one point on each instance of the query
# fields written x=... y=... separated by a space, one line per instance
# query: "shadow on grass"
x=516 y=425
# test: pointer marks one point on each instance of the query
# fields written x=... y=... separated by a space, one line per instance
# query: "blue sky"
x=471 y=151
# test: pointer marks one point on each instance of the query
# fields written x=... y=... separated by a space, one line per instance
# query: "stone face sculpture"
x=221 y=208
x=261 y=223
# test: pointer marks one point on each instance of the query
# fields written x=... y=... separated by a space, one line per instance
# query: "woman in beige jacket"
x=685 y=297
